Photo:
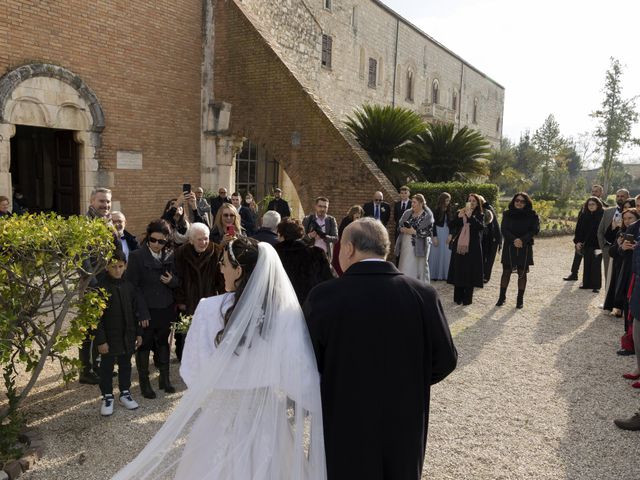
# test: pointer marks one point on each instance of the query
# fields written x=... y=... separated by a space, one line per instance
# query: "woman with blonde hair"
x=226 y=225
x=414 y=241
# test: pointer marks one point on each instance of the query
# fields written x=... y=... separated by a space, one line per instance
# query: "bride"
x=252 y=410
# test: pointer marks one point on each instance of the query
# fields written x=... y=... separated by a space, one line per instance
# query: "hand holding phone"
x=186 y=187
x=231 y=230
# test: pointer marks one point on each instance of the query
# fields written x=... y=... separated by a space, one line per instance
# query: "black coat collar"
x=372 y=268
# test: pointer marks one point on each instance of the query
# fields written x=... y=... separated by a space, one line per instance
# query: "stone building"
x=142 y=97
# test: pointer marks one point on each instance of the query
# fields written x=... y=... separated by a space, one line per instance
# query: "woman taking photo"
x=151 y=271
x=520 y=224
x=412 y=245
x=252 y=409
x=227 y=225
x=440 y=253
x=465 y=269
x=354 y=213
x=586 y=240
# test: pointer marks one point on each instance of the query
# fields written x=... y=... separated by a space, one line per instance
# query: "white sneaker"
x=106 y=409
x=128 y=402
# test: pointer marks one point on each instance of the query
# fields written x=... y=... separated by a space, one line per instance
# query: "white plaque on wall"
x=128 y=160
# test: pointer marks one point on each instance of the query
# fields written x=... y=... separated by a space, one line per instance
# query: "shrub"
x=459 y=191
x=46 y=262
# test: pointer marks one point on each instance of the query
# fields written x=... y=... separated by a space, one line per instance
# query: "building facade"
x=142 y=97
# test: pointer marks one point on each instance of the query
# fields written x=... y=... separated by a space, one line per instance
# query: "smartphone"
x=467 y=205
x=629 y=237
x=186 y=187
x=231 y=230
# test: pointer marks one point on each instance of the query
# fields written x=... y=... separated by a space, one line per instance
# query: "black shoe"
x=500 y=302
x=164 y=381
x=596 y=290
x=571 y=278
x=625 y=353
x=520 y=299
x=632 y=423
x=89 y=378
x=582 y=287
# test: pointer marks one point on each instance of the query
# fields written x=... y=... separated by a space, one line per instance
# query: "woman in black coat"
x=491 y=239
x=586 y=240
x=151 y=270
x=466 y=266
x=613 y=236
x=306 y=265
x=520 y=224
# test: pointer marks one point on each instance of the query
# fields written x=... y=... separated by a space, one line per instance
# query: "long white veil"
x=254 y=412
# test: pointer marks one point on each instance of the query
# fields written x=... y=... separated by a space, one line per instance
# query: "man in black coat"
x=377 y=359
x=401 y=206
x=246 y=219
x=279 y=204
x=216 y=202
x=129 y=241
x=267 y=233
x=378 y=209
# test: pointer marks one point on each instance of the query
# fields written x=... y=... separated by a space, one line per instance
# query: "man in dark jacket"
x=246 y=218
x=129 y=241
x=216 y=202
x=401 y=206
x=196 y=265
x=267 y=233
x=279 y=204
x=378 y=209
x=377 y=359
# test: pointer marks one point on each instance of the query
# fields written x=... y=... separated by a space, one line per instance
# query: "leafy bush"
x=46 y=263
x=459 y=191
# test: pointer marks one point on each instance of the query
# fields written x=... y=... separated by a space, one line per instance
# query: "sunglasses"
x=519 y=200
x=228 y=215
x=157 y=240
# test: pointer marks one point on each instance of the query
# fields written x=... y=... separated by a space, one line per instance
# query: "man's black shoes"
x=571 y=278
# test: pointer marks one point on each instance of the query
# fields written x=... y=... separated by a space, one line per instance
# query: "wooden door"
x=66 y=186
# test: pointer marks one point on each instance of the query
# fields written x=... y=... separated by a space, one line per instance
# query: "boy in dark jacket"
x=118 y=335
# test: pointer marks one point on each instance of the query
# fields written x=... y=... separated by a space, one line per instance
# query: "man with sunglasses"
x=216 y=202
x=378 y=209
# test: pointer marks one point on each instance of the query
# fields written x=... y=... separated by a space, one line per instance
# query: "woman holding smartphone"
x=586 y=240
x=414 y=241
x=466 y=267
x=226 y=226
x=152 y=273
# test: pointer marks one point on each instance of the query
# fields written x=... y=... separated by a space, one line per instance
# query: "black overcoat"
x=523 y=224
x=467 y=270
x=381 y=340
x=199 y=275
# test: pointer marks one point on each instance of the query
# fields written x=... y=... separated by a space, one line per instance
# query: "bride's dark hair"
x=242 y=252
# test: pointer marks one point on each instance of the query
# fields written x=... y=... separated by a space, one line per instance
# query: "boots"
x=502 y=298
x=165 y=379
x=520 y=300
x=142 y=363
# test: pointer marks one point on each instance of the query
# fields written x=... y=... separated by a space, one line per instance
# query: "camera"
x=314 y=227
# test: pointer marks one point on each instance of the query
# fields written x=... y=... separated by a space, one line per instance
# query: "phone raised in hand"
x=231 y=230
x=186 y=187
x=629 y=237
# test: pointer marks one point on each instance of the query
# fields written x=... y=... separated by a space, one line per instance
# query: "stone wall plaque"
x=128 y=160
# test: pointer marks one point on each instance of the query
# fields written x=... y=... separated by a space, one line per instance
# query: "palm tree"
x=443 y=155
x=382 y=132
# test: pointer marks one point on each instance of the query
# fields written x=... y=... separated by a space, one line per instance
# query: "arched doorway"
x=50 y=125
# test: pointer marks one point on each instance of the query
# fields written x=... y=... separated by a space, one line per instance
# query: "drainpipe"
x=460 y=94
x=395 y=64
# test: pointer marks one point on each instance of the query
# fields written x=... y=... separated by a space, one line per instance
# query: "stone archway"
x=49 y=96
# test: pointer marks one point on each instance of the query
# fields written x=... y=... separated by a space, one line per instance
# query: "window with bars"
x=454 y=102
x=327 y=44
x=435 y=92
x=373 y=72
x=257 y=171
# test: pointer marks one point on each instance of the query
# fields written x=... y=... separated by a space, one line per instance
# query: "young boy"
x=118 y=334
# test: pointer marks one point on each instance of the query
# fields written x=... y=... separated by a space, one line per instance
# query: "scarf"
x=463 y=239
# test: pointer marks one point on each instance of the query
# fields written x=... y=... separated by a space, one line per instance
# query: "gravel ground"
x=534 y=394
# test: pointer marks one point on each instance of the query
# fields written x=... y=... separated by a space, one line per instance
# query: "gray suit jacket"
x=330 y=229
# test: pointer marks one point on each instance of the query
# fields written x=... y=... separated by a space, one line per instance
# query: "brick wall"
x=270 y=105
x=142 y=59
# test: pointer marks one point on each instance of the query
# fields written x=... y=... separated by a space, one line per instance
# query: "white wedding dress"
x=252 y=410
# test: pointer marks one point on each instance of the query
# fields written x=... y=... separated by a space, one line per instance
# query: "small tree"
x=549 y=143
x=615 y=118
x=46 y=263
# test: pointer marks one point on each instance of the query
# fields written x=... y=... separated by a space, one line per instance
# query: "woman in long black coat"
x=520 y=224
x=586 y=240
x=613 y=237
x=491 y=240
x=466 y=266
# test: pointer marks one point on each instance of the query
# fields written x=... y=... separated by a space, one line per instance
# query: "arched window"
x=498 y=124
x=475 y=111
x=454 y=101
x=410 y=85
x=435 y=92
x=362 y=61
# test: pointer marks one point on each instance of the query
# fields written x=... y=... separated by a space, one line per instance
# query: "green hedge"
x=459 y=191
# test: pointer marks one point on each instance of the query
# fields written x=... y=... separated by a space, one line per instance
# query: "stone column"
x=7 y=131
x=227 y=147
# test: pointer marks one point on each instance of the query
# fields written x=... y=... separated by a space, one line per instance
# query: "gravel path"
x=533 y=397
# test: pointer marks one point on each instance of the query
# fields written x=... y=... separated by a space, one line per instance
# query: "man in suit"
x=129 y=241
x=279 y=204
x=321 y=229
x=381 y=340
x=378 y=209
x=596 y=191
x=268 y=231
x=609 y=215
x=246 y=219
x=401 y=206
x=216 y=202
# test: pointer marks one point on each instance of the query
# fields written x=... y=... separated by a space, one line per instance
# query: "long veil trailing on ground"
x=254 y=412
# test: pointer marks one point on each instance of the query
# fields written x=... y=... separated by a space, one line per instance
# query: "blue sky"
x=550 y=55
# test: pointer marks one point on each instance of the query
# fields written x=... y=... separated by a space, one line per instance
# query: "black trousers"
x=592 y=270
x=463 y=294
x=156 y=335
x=575 y=266
x=89 y=354
x=107 y=363
x=489 y=259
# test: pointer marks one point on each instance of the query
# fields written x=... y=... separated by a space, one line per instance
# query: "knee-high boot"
x=142 y=364
x=503 y=297
x=520 y=300
x=165 y=379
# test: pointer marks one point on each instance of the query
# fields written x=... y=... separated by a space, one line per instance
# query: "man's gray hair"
x=370 y=236
x=270 y=220
x=196 y=228
x=117 y=212
x=100 y=190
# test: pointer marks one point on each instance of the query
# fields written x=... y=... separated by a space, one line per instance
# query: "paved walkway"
x=533 y=397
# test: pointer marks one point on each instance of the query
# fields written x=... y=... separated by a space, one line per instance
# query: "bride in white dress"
x=252 y=410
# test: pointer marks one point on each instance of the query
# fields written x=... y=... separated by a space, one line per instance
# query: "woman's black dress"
x=587 y=234
x=523 y=224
